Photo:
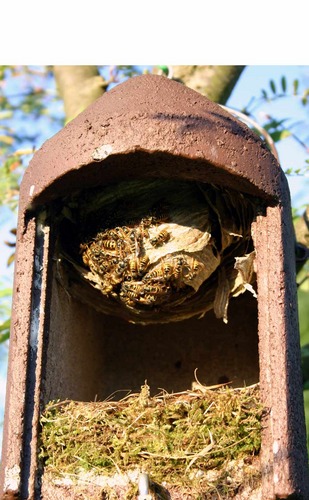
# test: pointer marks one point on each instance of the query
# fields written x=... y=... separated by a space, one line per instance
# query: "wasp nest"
x=166 y=250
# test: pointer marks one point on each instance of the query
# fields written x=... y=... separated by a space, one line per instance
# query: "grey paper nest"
x=161 y=250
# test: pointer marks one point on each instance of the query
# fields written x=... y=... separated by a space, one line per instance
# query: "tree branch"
x=215 y=82
x=78 y=86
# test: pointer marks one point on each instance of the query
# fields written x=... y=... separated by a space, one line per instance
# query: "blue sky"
x=291 y=154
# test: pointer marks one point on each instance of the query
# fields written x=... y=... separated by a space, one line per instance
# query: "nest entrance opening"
x=157 y=311
x=152 y=280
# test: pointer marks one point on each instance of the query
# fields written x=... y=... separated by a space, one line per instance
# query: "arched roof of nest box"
x=151 y=126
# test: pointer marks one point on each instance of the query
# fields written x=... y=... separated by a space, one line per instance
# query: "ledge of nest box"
x=159 y=250
x=194 y=444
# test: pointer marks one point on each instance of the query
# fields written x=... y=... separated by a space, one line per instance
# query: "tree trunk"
x=215 y=82
x=78 y=86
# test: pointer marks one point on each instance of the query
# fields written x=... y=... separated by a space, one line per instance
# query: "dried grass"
x=203 y=441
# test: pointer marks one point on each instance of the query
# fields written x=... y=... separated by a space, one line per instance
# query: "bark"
x=78 y=86
x=215 y=82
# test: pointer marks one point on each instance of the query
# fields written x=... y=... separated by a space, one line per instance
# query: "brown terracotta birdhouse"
x=155 y=243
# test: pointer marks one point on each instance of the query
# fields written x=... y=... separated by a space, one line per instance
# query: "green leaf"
x=273 y=86
x=5 y=139
x=264 y=94
x=164 y=69
x=5 y=325
x=6 y=292
x=295 y=86
x=10 y=259
x=278 y=135
x=273 y=124
x=4 y=337
x=283 y=84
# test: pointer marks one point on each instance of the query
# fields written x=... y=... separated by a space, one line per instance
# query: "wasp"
x=109 y=244
x=138 y=242
x=155 y=290
x=133 y=295
x=97 y=257
x=161 y=273
x=121 y=267
x=128 y=285
x=103 y=236
x=83 y=247
x=114 y=279
x=104 y=267
x=112 y=233
x=143 y=264
x=147 y=299
x=127 y=301
x=133 y=242
x=154 y=275
x=167 y=270
x=193 y=270
x=133 y=266
x=132 y=291
x=121 y=232
x=91 y=253
x=160 y=238
x=96 y=250
x=177 y=269
x=85 y=256
x=107 y=288
x=147 y=221
x=120 y=245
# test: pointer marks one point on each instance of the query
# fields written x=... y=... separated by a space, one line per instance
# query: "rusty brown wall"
x=91 y=355
x=284 y=434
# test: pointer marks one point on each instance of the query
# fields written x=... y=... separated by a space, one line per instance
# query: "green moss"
x=175 y=438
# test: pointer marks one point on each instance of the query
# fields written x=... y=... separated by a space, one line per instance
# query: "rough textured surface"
x=18 y=358
x=280 y=373
x=151 y=126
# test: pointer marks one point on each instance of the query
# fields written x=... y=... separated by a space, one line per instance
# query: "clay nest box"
x=143 y=221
